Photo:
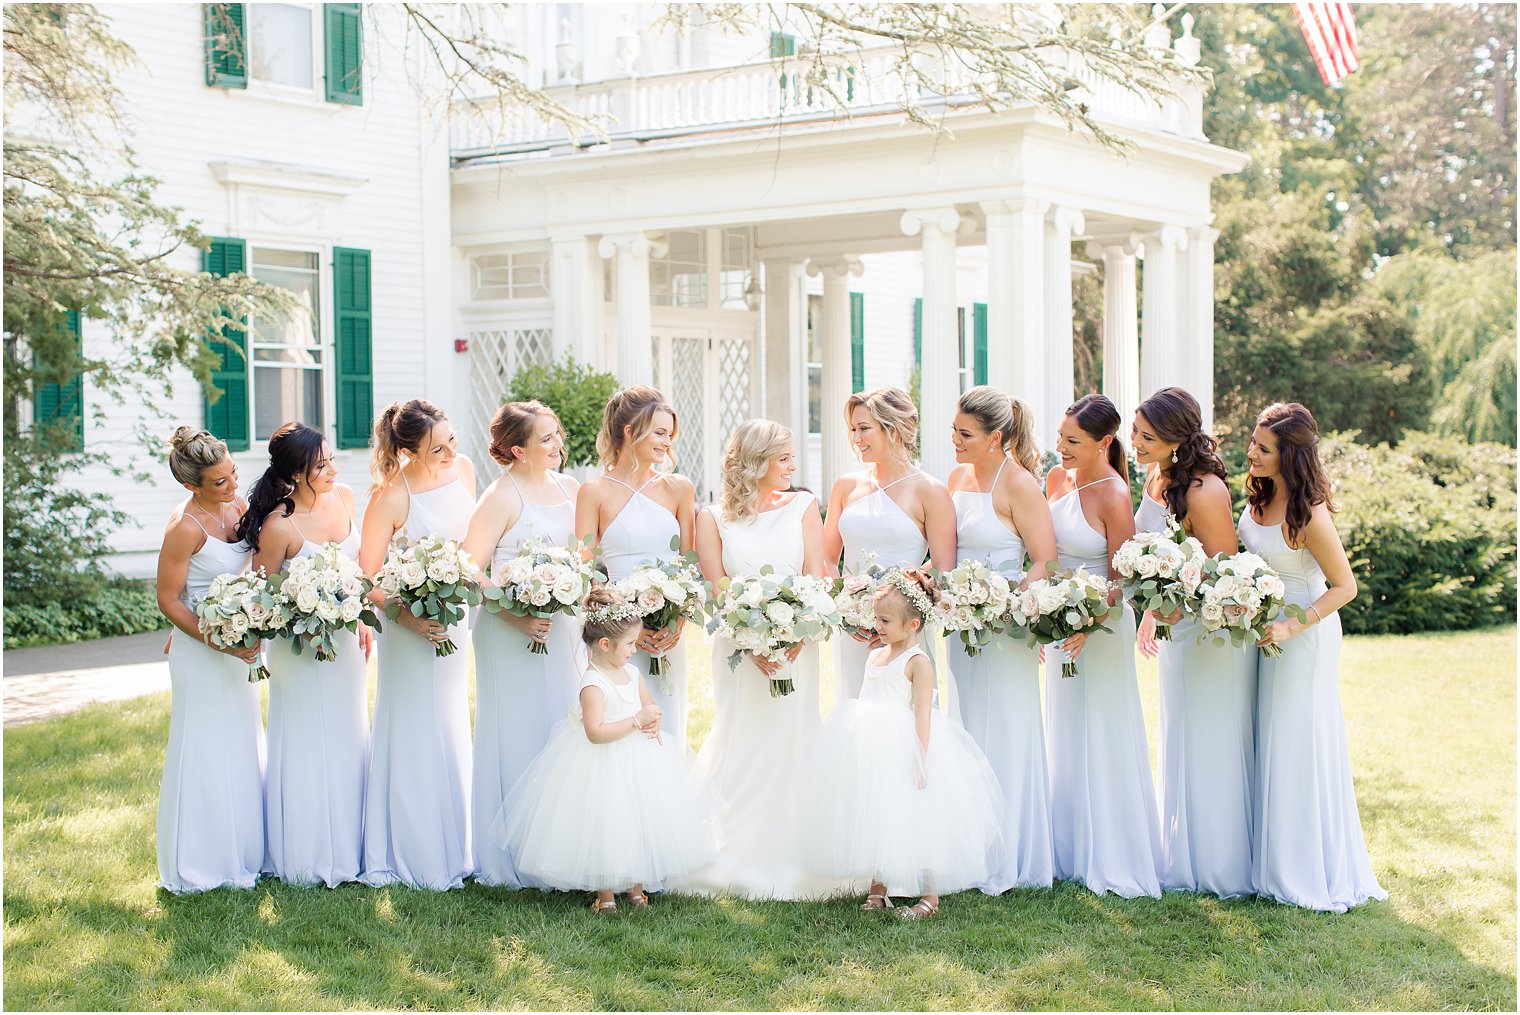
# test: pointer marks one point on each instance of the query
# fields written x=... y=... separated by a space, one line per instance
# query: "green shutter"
x=345 y=53
x=59 y=405
x=227 y=417
x=226 y=45
x=979 y=343
x=783 y=44
x=354 y=323
x=918 y=332
x=858 y=341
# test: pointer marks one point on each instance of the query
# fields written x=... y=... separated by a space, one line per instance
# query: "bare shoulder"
x=931 y=486
x=1019 y=481
x=1057 y=480
x=346 y=494
x=569 y=482
x=959 y=478
x=389 y=499
x=1209 y=491
x=679 y=483
x=920 y=667
x=465 y=466
x=181 y=531
x=1113 y=494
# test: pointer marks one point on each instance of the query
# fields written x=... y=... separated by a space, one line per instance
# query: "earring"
x=1174 y=456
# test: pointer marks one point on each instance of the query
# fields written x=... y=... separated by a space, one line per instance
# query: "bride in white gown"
x=752 y=760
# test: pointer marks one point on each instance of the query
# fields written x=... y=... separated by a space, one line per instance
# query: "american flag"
x=1331 y=34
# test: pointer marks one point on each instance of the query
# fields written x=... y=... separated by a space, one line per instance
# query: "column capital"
x=1016 y=206
x=1166 y=237
x=834 y=267
x=636 y=244
x=945 y=220
x=1062 y=219
x=1203 y=235
x=1114 y=246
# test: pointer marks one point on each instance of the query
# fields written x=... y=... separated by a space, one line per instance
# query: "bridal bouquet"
x=1240 y=595
x=855 y=597
x=1161 y=571
x=664 y=592
x=975 y=601
x=239 y=611
x=767 y=615
x=1053 y=609
x=542 y=580
x=433 y=578
x=325 y=593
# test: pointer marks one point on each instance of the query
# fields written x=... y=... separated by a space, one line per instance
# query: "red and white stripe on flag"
x=1331 y=34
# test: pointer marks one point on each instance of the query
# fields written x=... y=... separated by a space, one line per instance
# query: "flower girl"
x=605 y=807
x=900 y=794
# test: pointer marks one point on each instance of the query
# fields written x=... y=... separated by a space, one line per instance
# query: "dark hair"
x=1175 y=417
x=401 y=426
x=593 y=631
x=1098 y=418
x=1297 y=462
x=512 y=427
x=294 y=451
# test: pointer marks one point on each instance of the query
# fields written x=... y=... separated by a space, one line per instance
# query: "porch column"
x=1060 y=372
x=835 y=346
x=1121 y=338
x=1015 y=306
x=635 y=358
x=938 y=385
x=1159 y=318
x=575 y=280
x=783 y=346
x=1198 y=311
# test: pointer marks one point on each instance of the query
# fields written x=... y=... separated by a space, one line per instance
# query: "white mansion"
x=734 y=239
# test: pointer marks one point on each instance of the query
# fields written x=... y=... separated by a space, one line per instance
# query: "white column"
x=939 y=385
x=1198 y=310
x=575 y=280
x=635 y=358
x=1160 y=318
x=1121 y=338
x=1059 y=369
x=835 y=345
x=1015 y=306
x=783 y=288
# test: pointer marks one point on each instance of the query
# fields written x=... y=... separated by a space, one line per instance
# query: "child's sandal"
x=638 y=900
x=920 y=910
x=875 y=901
x=601 y=908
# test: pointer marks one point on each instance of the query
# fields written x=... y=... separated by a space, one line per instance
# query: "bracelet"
x=1317 y=616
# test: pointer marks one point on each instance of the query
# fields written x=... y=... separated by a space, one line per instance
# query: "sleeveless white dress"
x=519 y=694
x=318 y=756
x=1309 y=849
x=211 y=800
x=1103 y=805
x=416 y=805
x=603 y=816
x=752 y=762
x=872 y=524
x=1208 y=754
x=641 y=534
x=878 y=807
x=999 y=694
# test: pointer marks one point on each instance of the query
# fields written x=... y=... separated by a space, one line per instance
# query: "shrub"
x=576 y=392
x=118 y=606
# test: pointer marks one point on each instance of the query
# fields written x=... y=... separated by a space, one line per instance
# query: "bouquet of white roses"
x=974 y=600
x=431 y=577
x=1161 y=571
x=325 y=593
x=855 y=597
x=767 y=615
x=664 y=592
x=1240 y=595
x=239 y=611
x=542 y=580
x=1053 y=609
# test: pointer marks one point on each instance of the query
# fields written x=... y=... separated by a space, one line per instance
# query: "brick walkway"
x=43 y=682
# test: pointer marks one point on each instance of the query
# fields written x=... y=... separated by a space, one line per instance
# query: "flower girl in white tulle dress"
x=606 y=806
x=900 y=794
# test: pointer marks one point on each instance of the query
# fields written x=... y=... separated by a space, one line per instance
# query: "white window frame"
x=326 y=340
x=258 y=86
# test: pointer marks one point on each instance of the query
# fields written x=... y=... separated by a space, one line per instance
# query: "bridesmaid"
x=416 y=811
x=999 y=510
x=635 y=513
x=318 y=711
x=519 y=694
x=1309 y=849
x=901 y=527
x=211 y=801
x=1102 y=802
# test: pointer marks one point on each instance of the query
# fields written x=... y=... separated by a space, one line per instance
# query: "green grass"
x=1431 y=722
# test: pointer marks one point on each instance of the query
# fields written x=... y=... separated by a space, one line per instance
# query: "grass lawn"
x=1432 y=729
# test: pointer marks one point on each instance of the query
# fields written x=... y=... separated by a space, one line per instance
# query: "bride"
x=752 y=759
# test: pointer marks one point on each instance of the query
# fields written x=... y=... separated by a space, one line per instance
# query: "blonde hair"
x=609 y=622
x=1007 y=417
x=916 y=579
x=751 y=448
x=401 y=426
x=894 y=412
x=634 y=406
x=192 y=451
x=512 y=427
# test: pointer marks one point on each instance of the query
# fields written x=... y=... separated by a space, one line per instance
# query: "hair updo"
x=294 y=452
x=1298 y=465
x=612 y=628
x=401 y=426
x=192 y=451
x=1175 y=417
x=512 y=427
x=1098 y=418
x=1007 y=417
x=747 y=458
x=634 y=406
x=917 y=578
x=893 y=410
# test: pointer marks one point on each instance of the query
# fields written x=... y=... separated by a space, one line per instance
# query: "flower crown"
x=912 y=591
x=611 y=613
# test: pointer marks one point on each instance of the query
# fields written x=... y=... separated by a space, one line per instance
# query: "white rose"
x=329 y=611
x=235 y=626
x=753 y=595
x=673 y=591
x=539 y=596
x=780 y=614
x=1191 y=576
x=1050 y=598
x=389 y=582
x=1212 y=614
x=1146 y=566
x=568 y=590
x=650 y=601
x=412 y=574
x=351 y=610
x=257 y=612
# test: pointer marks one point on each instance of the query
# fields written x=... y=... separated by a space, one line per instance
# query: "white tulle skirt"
x=878 y=808
x=603 y=817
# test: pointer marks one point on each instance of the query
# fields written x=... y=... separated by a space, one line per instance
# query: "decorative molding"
x=284 y=176
x=835 y=267
x=946 y=220
x=636 y=244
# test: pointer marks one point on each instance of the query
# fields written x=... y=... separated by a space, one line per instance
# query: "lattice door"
x=688 y=391
x=495 y=356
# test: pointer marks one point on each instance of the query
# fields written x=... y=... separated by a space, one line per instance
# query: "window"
x=679 y=279
x=814 y=364
x=510 y=276
x=736 y=269
x=287 y=353
x=964 y=364
x=280 y=50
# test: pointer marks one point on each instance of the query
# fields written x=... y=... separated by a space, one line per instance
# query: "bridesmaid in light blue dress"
x=638 y=516
x=1103 y=803
x=998 y=505
x=211 y=799
x=318 y=711
x=519 y=694
x=1309 y=849
x=416 y=806
x=891 y=510
x=1208 y=692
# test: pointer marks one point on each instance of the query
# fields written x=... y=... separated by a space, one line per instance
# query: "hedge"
x=118 y=606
